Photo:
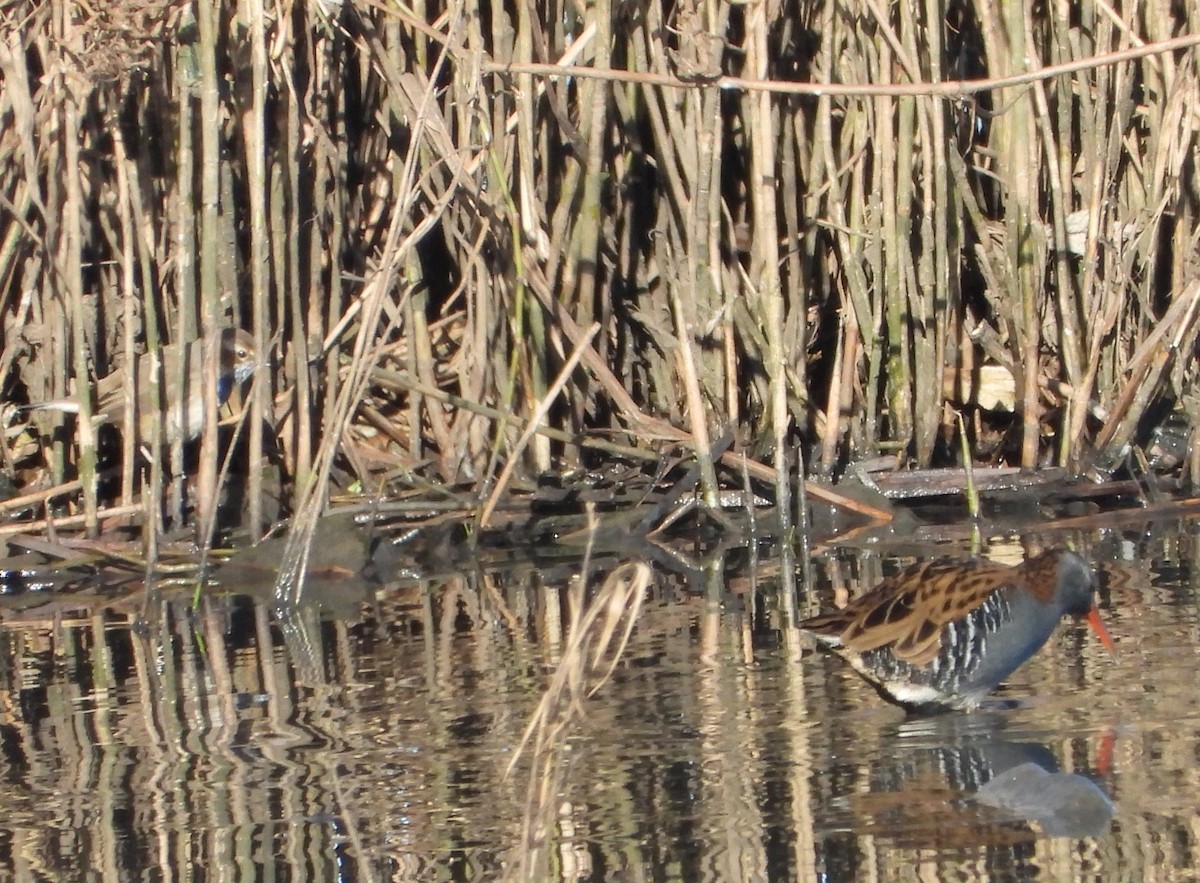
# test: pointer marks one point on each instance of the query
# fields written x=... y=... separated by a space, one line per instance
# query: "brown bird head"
x=238 y=359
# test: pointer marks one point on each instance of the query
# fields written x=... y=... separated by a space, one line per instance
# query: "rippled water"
x=151 y=740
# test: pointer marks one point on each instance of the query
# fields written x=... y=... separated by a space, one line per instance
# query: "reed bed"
x=826 y=228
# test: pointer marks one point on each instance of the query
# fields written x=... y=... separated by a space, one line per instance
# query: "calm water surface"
x=150 y=740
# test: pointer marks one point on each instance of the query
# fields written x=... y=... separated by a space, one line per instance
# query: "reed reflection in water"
x=158 y=741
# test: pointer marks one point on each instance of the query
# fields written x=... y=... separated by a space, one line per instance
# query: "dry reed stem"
x=72 y=521
x=698 y=417
x=947 y=89
x=1173 y=334
x=208 y=247
x=289 y=585
x=256 y=147
x=597 y=635
x=535 y=421
x=69 y=286
x=40 y=496
x=765 y=261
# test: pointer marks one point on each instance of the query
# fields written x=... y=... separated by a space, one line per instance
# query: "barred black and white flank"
x=943 y=634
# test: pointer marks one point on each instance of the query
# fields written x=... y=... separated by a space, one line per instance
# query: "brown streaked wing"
x=909 y=611
x=884 y=603
x=1040 y=575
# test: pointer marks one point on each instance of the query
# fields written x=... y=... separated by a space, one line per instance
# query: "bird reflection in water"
x=962 y=777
